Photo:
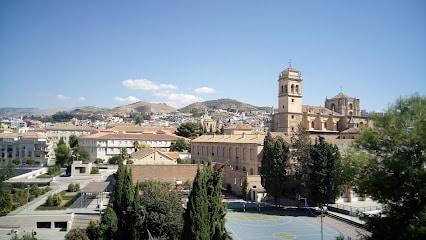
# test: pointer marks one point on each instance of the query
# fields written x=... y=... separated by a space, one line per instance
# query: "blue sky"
x=111 y=53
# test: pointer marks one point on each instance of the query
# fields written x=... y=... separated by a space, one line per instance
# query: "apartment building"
x=23 y=146
x=56 y=131
x=106 y=144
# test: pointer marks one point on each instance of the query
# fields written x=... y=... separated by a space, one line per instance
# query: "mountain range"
x=147 y=107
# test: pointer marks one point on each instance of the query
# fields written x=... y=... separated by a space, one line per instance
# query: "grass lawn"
x=67 y=199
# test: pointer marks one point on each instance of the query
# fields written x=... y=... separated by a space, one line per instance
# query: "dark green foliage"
x=114 y=160
x=7 y=172
x=301 y=145
x=79 y=153
x=189 y=130
x=109 y=224
x=159 y=211
x=62 y=153
x=205 y=214
x=35 y=190
x=244 y=189
x=76 y=234
x=94 y=170
x=275 y=166
x=52 y=171
x=93 y=230
x=62 y=116
x=322 y=185
x=179 y=146
x=54 y=200
x=73 y=187
x=395 y=175
x=73 y=141
x=30 y=161
x=6 y=203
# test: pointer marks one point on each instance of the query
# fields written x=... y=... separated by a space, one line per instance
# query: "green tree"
x=114 y=160
x=275 y=165
x=244 y=188
x=6 y=203
x=160 y=211
x=109 y=223
x=35 y=190
x=188 y=130
x=62 y=153
x=73 y=141
x=16 y=161
x=348 y=168
x=205 y=214
x=395 y=175
x=93 y=230
x=179 y=146
x=30 y=161
x=79 y=153
x=76 y=234
x=323 y=187
x=300 y=154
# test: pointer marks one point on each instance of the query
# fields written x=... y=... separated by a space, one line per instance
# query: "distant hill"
x=224 y=103
x=18 y=112
x=144 y=107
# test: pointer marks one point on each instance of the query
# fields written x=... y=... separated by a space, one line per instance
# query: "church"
x=341 y=115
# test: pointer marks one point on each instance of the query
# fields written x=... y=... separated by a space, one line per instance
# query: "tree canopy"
x=275 y=166
x=204 y=216
x=395 y=175
x=189 y=130
x=62 y=153
x=179 y=146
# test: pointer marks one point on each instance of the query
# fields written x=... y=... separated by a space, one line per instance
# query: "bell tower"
x=289 y=114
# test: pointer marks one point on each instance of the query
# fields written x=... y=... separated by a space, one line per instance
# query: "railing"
x=354 y=211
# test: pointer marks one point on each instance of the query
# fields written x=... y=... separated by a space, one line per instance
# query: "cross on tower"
x=289 y=63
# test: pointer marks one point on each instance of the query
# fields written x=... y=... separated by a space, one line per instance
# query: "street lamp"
x=75 y=156
x=28 y=194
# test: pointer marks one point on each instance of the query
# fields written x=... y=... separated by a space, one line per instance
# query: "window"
x=292 y=116
x=292 y=100
x=312 y=124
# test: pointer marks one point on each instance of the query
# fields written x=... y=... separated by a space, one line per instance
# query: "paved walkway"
x=23 y=220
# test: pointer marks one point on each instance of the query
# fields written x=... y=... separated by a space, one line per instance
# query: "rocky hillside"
x=224 y=103
x=144 y=107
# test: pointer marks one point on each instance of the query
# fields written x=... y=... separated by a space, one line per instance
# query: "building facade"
x=104 y=145
x=333 y=118
x=24 y=146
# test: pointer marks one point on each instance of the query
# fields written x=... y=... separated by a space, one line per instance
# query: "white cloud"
x=129 y=99
x=62 y=97
x=81 y=99
x=144 y=84
x=178 y=100
x=205 y=90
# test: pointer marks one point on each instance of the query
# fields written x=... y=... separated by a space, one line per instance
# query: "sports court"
x=269 y=224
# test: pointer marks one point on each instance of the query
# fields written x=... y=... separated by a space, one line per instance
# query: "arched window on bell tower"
x=313 y=124
x=333 y=107
x=297 y=89
x=292 y=88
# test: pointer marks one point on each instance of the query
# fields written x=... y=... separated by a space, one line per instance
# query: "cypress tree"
x=196 y=216
x=324 y=156
x=205 y=214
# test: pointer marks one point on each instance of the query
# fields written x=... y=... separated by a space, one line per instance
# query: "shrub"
x=94 y=170
x=54 y=200
x=71 y=187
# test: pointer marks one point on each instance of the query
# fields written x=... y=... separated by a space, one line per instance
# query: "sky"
x=112 y=53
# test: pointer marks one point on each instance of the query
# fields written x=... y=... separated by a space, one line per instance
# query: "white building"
x=23 y=146
x=104 y=145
